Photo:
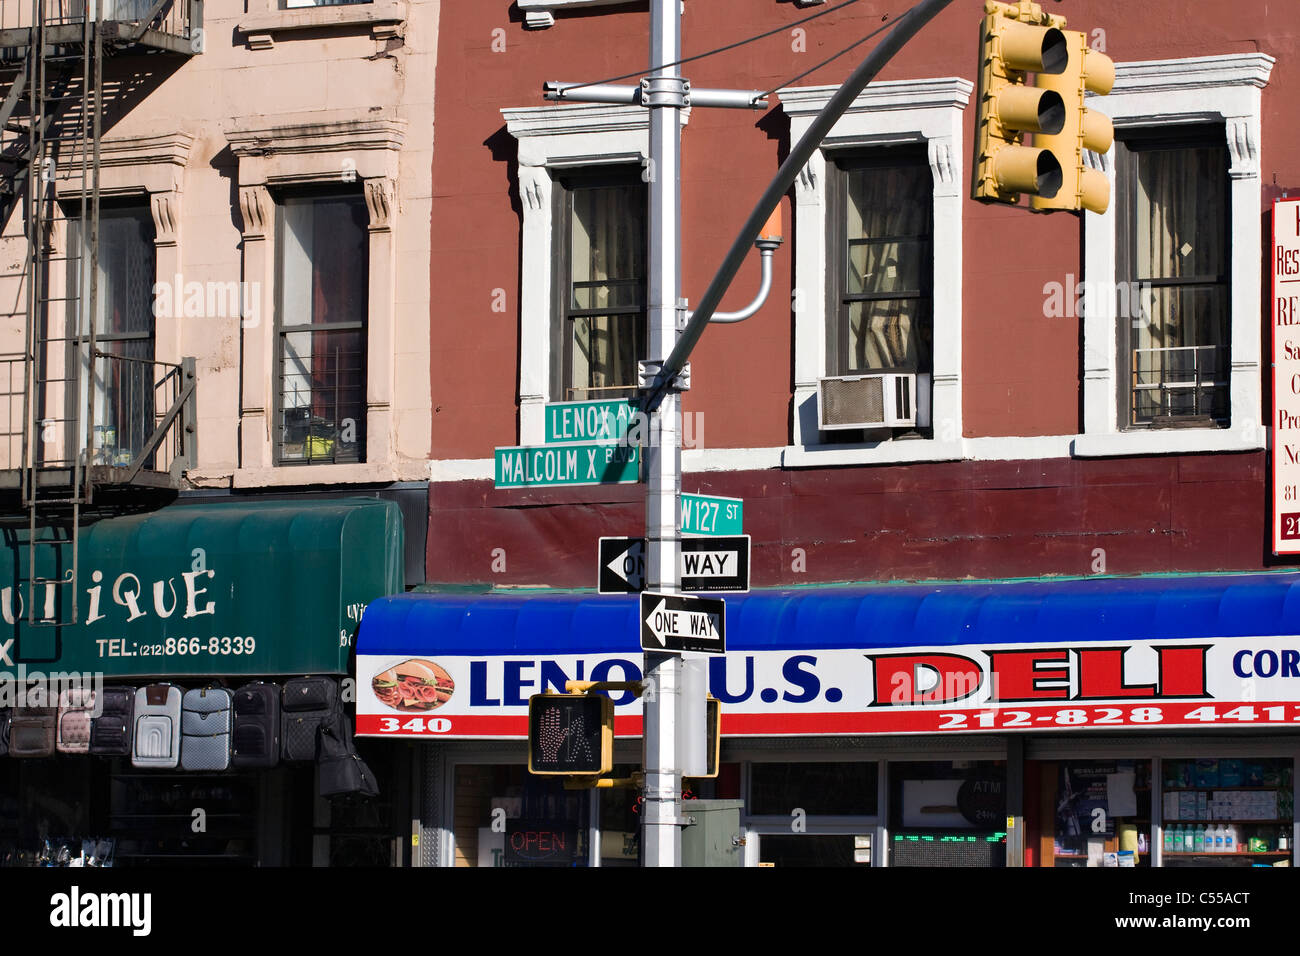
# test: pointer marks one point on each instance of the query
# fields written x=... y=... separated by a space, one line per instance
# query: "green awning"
x=206 y=589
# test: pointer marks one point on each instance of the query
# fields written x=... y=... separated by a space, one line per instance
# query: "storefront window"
x=816 y=789
x=506 y=817
x=1227 y=812
x=948 y=813
x=1102 y=813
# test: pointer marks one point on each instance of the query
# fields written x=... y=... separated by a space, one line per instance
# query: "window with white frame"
x=873 y=288
x=600 y=321
x=1171 y=269
x=582 y=275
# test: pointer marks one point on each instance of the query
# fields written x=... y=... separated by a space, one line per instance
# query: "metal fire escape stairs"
x=51 y=126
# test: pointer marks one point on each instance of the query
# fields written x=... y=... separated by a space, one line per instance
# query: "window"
x=322 y=295
x=596 y=149
x=883 y=275
x=603 y=317
x=123 y=371
x=877 y=242
x=1173 y=264
x=1172 y=270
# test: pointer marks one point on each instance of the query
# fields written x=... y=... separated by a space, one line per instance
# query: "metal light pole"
x=665 y=97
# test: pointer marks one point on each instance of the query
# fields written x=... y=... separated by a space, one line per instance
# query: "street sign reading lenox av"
x=586 y=444
x=600 y=421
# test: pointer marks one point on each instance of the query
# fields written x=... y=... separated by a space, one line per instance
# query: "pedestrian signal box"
x=570 y=735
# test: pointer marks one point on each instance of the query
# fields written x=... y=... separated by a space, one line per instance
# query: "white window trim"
x=555 y=138
x=925 y=111
x=305 y=150
x=1213 y=89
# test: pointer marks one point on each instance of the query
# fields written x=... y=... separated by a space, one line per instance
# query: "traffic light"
x=1015 y=40
x=570 y=734
x=1081 y=187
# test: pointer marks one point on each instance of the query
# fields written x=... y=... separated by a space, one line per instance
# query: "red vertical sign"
x=1286 y=376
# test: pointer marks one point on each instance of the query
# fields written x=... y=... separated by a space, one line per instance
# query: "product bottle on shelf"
x=1189 y=840
x=1199 y=840
x=1230 y=844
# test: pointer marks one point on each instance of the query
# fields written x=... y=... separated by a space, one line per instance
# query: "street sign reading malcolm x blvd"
x=550 y=465
x=707 y=564
x=677 y=624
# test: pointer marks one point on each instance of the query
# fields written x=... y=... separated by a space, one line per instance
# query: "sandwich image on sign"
x=413 y=685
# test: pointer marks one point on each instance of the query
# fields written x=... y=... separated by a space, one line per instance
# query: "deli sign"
x=1225 y=682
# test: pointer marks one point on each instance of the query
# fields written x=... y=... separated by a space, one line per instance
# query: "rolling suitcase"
x=110 y=732
x=256 y=733
x=157 y=740
x=205 y=729
x=76 y=704
x=31 y=732
x=306 y=703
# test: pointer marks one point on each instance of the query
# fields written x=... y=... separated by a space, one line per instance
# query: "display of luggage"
x=342 y=771
x=205 y=729
x=306 y=702
x=157 y=740
x=31 y=732
x=110 y=732
x=256 y=734
x=76 y=704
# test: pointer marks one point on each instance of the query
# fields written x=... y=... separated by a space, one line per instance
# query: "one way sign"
x=707 y=564
x=677 y=623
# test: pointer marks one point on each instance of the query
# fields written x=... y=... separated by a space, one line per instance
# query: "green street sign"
x=598 y=421
x=711 y=515
x=550 y=465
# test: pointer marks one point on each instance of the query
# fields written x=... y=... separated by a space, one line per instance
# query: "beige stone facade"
x=279 y=103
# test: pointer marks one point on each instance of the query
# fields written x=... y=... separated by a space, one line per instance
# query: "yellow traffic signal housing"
x=570 y=735
x=1015 y=40
x=713 y=720
x=1081 y=187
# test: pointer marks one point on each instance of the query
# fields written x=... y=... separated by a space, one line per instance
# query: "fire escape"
x=87 y=425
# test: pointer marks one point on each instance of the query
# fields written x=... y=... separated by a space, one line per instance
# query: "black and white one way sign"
x=707 y=564
x=679 y=623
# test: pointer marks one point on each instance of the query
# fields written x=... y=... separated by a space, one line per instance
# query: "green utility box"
x=714 y=837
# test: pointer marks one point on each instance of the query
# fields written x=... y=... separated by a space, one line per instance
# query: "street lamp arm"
x=766 y=248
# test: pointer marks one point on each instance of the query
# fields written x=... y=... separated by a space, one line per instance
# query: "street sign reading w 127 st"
x=679 y=623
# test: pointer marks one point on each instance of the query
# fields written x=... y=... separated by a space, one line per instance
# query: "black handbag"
x=342 y=771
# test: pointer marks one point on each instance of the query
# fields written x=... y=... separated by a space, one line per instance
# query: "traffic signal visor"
x=1009 y=107
x=1084 y=129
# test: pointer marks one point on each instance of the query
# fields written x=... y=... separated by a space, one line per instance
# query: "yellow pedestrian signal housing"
x=570 y=735
x=1016 y=40
x=1088 y=72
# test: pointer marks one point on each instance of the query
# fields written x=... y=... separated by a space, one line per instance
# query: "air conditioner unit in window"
x=882 y=400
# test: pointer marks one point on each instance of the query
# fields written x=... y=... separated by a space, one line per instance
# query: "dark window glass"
x=604 y=333
x=1175 y=307
x=825 y=789
x=123 y=399
x=322 y=302
x=883 y=282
